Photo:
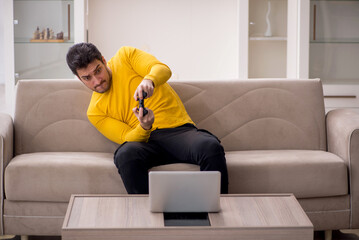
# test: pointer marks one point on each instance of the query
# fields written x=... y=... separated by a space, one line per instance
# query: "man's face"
x=96 y=76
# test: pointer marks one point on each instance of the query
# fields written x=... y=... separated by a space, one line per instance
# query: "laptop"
x=184 y=191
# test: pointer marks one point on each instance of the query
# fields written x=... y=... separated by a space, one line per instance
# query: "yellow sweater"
x=111 y=112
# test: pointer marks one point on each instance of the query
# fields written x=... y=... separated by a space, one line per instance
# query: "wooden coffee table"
x=108 y=217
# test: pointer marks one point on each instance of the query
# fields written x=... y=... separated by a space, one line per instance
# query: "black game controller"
x=142 y=103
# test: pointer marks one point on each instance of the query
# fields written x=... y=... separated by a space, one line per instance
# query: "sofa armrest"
x=343 y=140
x=6 y=154
x=6 y=139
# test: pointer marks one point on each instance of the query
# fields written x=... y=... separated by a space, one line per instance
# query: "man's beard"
x=104 y=81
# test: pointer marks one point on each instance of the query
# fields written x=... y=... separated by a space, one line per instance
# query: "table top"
x=243 y=211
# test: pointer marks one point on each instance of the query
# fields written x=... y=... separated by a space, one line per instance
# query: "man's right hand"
x=145 y=121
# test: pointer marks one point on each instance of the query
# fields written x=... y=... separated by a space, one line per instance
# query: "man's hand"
x=147 y=86
x=145 y=121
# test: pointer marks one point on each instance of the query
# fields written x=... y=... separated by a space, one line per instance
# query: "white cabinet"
x=43 y=32
x=341 y=96
x=274 y=34
x=32 y=54
x=37 y=58
x=334 y=51
x=267 y=46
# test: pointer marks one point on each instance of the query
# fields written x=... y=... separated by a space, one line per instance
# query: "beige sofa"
x=275 y=132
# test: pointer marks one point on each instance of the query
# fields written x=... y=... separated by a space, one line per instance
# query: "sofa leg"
x=328 y=235
x=24 y=237
x=7 y=236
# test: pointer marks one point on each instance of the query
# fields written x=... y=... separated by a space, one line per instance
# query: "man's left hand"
x=147 y=86
x=145 y=121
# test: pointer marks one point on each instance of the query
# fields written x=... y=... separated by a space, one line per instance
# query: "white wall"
x=197 y=39
x=2 y=32
x=7 y=49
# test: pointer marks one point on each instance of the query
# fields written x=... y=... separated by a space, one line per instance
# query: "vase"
x=268 y=32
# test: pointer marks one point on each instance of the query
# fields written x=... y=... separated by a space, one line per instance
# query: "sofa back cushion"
x=50 y=115
x=259 y=114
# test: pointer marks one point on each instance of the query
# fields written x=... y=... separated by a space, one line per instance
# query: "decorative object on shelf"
x=47 y=35
x=268 y=32
x=68 y=22
x=60 y=35
x=36 y=34
x=314 y=21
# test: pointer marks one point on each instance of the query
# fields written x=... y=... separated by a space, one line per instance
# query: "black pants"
x=184 y=144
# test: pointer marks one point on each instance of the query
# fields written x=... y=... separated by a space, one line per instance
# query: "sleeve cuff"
x=138 y=134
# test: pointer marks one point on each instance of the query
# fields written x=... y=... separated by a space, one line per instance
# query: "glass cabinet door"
x=267 y=46
x=43 y=32
x=334 y=41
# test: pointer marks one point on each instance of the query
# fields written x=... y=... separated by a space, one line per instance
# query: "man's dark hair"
x=80 y=55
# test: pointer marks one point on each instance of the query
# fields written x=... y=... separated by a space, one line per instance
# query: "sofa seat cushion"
x=53 y=176
x=306 y=174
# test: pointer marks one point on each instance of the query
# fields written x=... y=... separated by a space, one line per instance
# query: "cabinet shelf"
x=43 y=0
x=262 y=38
x=334 y=0
x=336 y=40
x=28 y=41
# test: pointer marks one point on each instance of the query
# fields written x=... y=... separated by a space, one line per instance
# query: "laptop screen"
x=184 y=191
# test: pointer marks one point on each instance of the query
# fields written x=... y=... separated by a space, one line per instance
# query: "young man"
x=166 y=134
